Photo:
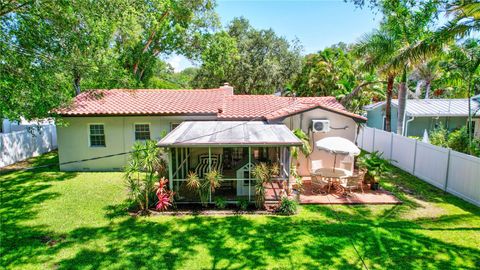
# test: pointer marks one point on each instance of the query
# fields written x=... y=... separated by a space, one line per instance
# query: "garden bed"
x=209 y=210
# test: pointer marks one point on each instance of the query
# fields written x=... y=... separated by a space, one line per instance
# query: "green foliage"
x=456 y=140
x=200 y=186
x=49 y=46
x=193 y=181
x=439 y=136
x=374 y=164
x=213 y=180
x=220 y=202
x=287 y=206
x=263 y=174
x=243 y=204
x=306 y=148
x=336 y=71
x=164 y=77
x=269 y=60
x=204 y=187
x=145 y=166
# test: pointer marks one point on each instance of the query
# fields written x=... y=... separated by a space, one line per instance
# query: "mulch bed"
x=210 y=210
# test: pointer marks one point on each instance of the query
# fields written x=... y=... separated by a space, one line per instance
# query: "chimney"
x=226 y=86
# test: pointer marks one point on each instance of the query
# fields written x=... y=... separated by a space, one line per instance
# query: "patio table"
x=333 y=177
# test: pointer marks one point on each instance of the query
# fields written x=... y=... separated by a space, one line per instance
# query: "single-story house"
x=426 y=114
x=206 y=129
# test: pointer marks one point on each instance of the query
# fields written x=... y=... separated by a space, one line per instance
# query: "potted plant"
x=374 y=166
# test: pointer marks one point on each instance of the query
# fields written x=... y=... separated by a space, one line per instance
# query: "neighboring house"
x=208 y=129
x=426 y=114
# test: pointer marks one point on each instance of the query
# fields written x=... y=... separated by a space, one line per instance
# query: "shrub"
x=243 y=204
x=213 y=180
x=374 y=164
x=263 y=174
x=220 y=202
x=458 y=140
x=287 y=206
x=203 y=187
x=196 y=185
x=439 y=136
x=165 y=197
x=145 y=165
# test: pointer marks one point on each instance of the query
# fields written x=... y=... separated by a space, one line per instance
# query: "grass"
x=64 y=220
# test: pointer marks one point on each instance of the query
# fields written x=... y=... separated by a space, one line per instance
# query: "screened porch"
x=231 y=148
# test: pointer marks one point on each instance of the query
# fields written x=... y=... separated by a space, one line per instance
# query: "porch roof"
x=229 y=133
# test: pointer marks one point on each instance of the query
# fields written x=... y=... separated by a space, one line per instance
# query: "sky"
x=316 y=23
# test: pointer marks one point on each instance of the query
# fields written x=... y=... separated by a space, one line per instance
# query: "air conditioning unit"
x=321 y=125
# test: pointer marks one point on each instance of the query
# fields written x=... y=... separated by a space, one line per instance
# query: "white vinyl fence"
x=454 y=172
x=19 y=145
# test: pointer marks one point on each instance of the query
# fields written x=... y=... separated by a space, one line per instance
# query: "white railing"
x=454 y=172
x=20 y=145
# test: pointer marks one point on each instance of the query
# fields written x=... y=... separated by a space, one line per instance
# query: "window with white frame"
x=97 y=135
x=142 y=132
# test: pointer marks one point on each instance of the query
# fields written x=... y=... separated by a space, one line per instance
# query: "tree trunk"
x=427 y=89
x=402 y=100
x=149 y=41
x=388 y=103
x=418 y=89
x=356 y=91
x=76 y=84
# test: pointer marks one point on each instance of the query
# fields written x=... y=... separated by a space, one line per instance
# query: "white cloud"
x=179 y=62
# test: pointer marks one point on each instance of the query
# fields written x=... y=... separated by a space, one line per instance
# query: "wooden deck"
x=273 y=194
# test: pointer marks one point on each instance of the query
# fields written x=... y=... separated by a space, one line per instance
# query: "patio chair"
x=353 y=182
x=319 y=183
x=315 y=165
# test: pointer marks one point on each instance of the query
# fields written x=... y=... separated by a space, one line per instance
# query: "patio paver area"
x=368 y=197
x=273 y=193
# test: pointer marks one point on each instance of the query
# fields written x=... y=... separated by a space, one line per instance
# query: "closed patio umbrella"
x=337 y=145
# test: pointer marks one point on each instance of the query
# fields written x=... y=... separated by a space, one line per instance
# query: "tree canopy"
x=253 y=61
x=52 y=50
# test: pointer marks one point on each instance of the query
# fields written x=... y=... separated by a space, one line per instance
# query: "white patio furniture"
x=355 y=181
x=337 y=145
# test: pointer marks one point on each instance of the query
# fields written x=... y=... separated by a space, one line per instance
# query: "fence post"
x=373 y=143
x=391 y=146
x=448 y=169
x=414 y=157
x=50 y=131
x=363 y=137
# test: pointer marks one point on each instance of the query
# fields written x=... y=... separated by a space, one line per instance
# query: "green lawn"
x=53 y=219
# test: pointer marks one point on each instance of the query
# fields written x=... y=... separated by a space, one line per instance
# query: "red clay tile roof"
x=145 y=101
x=218 y=102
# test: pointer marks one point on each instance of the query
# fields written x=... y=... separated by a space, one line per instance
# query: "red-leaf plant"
x=165 y=197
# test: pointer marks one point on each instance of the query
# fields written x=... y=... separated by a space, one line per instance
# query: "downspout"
x=406 y=126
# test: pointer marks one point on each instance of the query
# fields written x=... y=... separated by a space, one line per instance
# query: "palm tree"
x=465 y=20
x=425 y=73
x=407 y=22
x=378 y=49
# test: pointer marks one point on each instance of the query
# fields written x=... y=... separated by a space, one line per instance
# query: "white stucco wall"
x=340 y=125
x=73 y=139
